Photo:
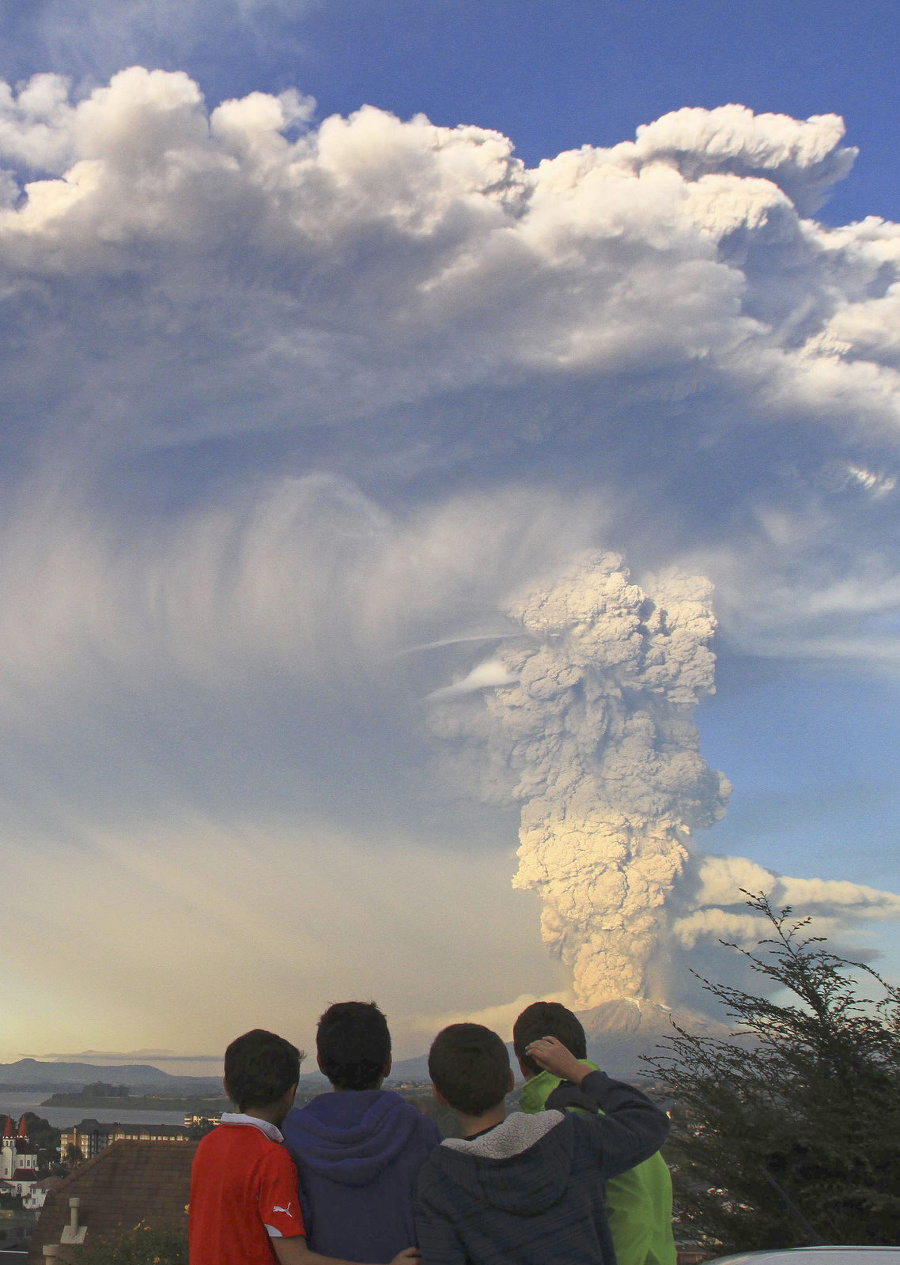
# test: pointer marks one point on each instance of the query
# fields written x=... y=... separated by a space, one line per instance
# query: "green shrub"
x=788 y=1134
x=141 y=1246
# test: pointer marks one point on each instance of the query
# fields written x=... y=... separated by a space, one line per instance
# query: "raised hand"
x=550 y=1054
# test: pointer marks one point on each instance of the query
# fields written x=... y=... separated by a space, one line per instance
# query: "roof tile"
x=126 y=1183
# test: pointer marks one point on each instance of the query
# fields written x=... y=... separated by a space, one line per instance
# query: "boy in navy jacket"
x=525 y=1189
x=358 y=1149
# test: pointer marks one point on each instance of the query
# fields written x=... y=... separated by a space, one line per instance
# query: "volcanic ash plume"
x=590 y=712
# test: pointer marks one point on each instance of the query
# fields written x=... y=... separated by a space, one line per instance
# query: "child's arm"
x=438 y=1239
x=633 y=1127
x=294 y=1251
x=550 y=1054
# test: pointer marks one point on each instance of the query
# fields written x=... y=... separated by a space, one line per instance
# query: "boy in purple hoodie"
x=359 y=1148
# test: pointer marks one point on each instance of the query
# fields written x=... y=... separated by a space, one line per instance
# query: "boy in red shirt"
x=244 y=1208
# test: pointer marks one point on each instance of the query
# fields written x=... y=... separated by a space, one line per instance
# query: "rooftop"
x=127 y=1183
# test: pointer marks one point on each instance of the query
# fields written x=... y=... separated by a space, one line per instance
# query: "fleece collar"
x=511 y=1137
x=524 y=1166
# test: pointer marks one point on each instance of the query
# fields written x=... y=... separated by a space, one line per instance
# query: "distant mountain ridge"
x=618 y=1034
x=621 y=1033
x=28 y=1074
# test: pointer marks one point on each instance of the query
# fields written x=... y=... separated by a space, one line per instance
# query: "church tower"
x=7 y=1152
x=18 y=1158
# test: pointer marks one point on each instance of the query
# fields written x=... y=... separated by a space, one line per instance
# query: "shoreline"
x=187 y=1106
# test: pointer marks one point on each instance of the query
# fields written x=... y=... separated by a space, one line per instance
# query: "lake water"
x=15 y=1103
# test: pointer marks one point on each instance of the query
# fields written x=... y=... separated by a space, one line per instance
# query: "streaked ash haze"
x=370 y=497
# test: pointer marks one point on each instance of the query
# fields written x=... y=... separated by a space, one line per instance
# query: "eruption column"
x=597 y=730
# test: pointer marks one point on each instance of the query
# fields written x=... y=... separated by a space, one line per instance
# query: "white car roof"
x=837 y=1254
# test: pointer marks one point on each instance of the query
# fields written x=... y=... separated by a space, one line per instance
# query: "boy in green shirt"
x=639 y=1202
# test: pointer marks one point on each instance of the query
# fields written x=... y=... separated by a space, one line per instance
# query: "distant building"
x=37 y=1196
x=127 y=1183
x=18 y=1161
x=90 y=1137
x=195 y=1121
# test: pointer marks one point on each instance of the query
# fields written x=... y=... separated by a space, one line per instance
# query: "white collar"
x=272 y=1132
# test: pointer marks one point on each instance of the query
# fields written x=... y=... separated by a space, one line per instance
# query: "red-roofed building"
x=18 y=1161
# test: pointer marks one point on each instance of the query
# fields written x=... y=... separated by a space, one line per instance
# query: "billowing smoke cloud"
x=304 y=420
x=594 y=727
x=586 y=719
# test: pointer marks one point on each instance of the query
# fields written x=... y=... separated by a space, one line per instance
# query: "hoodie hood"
x=350 y=1137
x=521 y=1166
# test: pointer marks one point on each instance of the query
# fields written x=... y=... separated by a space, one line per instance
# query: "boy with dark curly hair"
x=524 y=1189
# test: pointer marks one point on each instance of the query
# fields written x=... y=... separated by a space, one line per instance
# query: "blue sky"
x=278 y=418
x=807 y=776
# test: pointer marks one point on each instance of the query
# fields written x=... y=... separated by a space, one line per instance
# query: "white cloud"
x=486 y=675
x=724 y=879
x=36 y=124
x=806 y=157
x=379 y=262
x=837 y=908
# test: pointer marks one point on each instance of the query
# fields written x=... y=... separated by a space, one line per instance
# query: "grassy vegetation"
x=141 y=1246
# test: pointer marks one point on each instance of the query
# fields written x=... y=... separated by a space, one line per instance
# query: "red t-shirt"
x=243 y=1194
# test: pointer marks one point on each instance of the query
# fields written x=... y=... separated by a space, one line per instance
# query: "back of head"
x=353 y=1044
x=260 y=1068
x=547 y=1019
x=469 y=1065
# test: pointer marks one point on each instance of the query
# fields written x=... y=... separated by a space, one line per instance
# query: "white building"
x=39 y=1192
x=18 y=1161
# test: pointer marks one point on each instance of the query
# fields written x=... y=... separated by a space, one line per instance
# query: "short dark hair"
x=469 y=1066
x=260 y=1068
x=548 y=1019
x=353 y=1044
